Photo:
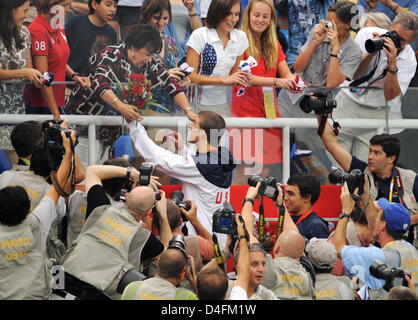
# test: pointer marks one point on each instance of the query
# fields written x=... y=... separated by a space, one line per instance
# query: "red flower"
x=135 y=77
x=137 y=89
x=140 y=103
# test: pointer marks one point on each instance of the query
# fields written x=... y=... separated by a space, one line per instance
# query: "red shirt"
x=50 y=42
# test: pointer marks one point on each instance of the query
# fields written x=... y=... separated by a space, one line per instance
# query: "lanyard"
x=391 y=189
x=303 y=217
x=399 y=187
x=389 y=243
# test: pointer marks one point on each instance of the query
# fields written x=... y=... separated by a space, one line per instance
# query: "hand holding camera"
x=161 y=202
x=267 y=187
x=189 y=212
x=347 y=201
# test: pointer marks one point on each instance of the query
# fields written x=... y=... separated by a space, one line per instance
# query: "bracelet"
x=128 y=172
x=188 y=108
x=114 y=100
x=242 y=237
x=193 y=15
x=247 y=199
x=75 y=74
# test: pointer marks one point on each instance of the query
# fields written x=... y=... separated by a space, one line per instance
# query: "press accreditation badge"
x=268 y=97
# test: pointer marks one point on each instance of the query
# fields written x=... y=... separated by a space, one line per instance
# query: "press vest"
x=293 y=282
x=409 y=258
x=24 y=273
x=407 y=180
x=109 y=244
x=330 y=287
x=36 y=188
x=156 y=289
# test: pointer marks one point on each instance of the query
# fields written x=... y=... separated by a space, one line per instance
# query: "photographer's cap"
x=397 y=216
x=321 y=253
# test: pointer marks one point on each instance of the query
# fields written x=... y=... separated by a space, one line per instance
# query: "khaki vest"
x=24 y=273
x=156 y=289
x=330 y=287
x=109 y=244
x=293 y=281
x=76 y=217
x=409 y=258
x=37 y=187
x=262 y=293
x=407 y=180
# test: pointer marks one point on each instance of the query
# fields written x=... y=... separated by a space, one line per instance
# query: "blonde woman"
x=259 y=24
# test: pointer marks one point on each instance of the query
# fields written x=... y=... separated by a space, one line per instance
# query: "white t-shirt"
x=204 y=8
x=130 y=3
x=406 y=63
x=215 y=60
x=238 y=293
x=45 y=212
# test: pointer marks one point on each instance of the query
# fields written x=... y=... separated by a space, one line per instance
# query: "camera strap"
x=55 y=181
x=282 y=211
x=335 y=125
x=218 y=254
x=261 y=222
x=368 y=76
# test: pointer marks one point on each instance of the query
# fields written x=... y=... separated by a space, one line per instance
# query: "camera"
x=393 y=277
x=321 y=105
x=373 y=45
x=145 y=172
x=328 y=25
x=53 y=143
x=177 y=242
x=177 y=196
x=354 y=179
x=224 y=220
x=268 y=186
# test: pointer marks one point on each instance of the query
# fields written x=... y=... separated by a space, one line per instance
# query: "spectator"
x=25 y=265
x=127 y=15
x=390 y=70
x=375 y=19
x=389 y=7
x=387 y=180
x=25 y=137
x=116 y=236
x=389 y=222
x=260 y=27
x=323 y=255
x=172 y=268
x=50 y=53
x=97 y=33
x=302 y=16
x=115 y=65
x=215 y=53
x=302 y=191
x=402 y=293
x=15 y=64
x=212 y=282
x=327 y=58
x=186 y=19
x=80 y=6
x=206 y=175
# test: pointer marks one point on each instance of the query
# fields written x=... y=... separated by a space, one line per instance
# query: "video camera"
x=268 y=186
x=323 y=104
x=354 y=179
x=373 y=45
x=224 y=220
x=393 y=277
x=177 y=196
x=145 y=172
x=53 y=143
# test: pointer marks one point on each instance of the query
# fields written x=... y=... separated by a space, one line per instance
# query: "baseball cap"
x=321 y=253
x=397 y=216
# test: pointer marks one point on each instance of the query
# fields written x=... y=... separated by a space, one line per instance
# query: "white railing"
x=181 y=122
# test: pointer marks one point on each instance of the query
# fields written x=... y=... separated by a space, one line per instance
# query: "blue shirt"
x=312 y=226
x=411 y=5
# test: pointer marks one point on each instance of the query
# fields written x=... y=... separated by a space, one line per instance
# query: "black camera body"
x=53 y=143
x=321 y=105
x=145 y=172
x=224 y=220
x=393 y=277
x=354 y=179
x=177 y=196
x=373 y=45
x=268 y=186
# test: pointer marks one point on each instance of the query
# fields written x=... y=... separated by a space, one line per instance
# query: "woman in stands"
x=265 y=146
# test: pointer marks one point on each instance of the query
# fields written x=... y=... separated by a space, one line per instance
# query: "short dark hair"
x=14 y=205
x=212 y=284
x=39 y=162
x=401 y=293
x=390 y=144
x=171 y=263
x=114 y=186
x=220 y=9
x=173 y=215
x=308 y=185
x=26 y=136
x=143 y=35
x=212 y=122
x=98 y=2
x=358 y=215
x=344 y=11
x=45 y=5
x=151 y=7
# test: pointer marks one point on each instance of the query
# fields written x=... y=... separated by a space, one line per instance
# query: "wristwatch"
x=344 y=215
x=336 y=55
x=392 y=71
x=75 y=74
x=247 y=199
x=128 y=172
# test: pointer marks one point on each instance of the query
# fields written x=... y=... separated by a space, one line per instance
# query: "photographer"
x=115 y=236
x=24 y=273
x=389 y=64
x=328 y=57
x=386 y=179
x=172 y=267
x=389 y=222
x=284 y=273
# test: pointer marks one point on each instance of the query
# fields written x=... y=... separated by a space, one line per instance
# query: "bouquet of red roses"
x=138 y=91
